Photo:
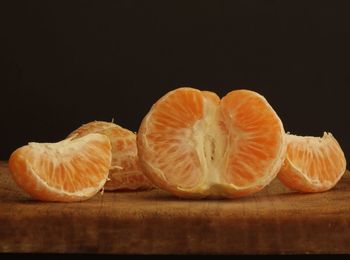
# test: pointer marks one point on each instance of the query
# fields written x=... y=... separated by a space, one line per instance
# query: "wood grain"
x=273 y=221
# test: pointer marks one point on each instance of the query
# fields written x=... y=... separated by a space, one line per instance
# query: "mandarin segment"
x=312 y=164
x=125 y=172
x=193 y=144
x=256 y=151
x=171 y=147
x=70 y=170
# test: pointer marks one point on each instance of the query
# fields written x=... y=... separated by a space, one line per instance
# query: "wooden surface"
x=272 y=221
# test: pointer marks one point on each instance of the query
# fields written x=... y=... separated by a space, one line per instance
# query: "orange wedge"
x=313 y=164
x=125 y=172
x=70 y=170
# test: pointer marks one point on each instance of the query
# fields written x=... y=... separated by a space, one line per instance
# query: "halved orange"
x=69 y=170
x=312 y=164
x=125 y=172
x=195 y=145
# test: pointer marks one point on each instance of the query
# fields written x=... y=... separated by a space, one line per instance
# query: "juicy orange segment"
x=255 y=137
x=125 y=172
x=193 y=144
x=312 y=164
x=70 y=170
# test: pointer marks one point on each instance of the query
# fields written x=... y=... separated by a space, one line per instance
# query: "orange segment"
x=70 y=170
x=194 y=145
x=312 y=164
x=255 y=138
x=168 y=136
x=125 y=172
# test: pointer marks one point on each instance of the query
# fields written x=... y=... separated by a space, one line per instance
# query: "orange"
x=312 y=164
x=125 y=172
x=195 y=145
x=69 y=170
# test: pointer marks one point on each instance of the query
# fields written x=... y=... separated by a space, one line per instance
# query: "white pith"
x=210 y=144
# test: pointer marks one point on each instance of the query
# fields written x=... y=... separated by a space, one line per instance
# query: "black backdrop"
x=67 y=63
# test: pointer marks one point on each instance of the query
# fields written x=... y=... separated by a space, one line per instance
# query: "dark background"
x=67 y=63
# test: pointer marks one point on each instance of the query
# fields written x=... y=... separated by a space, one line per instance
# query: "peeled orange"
x=69 y=170
x=313 y=164
x=195 y=145
x=125 y=172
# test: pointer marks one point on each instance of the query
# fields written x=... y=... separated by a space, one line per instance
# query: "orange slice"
x=125 y=172
x=195 y=145
x=70 y=170
x=313 y=164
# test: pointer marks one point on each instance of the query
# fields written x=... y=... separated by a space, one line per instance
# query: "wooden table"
x=272 y=221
